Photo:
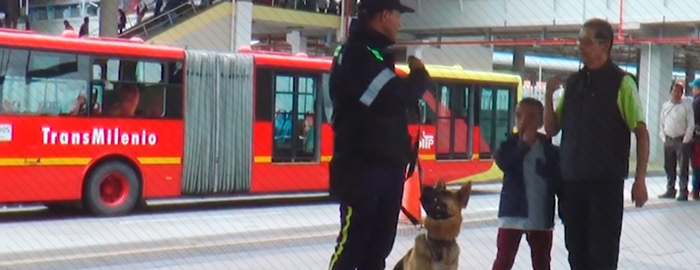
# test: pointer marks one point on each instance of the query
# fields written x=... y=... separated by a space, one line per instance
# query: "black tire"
x=94 y=203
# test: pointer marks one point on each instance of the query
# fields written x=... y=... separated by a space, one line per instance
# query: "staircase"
x=153 y=26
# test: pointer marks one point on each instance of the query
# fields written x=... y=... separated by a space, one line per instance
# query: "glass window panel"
x=444 y=102
x=503 y=106
x=50 y=83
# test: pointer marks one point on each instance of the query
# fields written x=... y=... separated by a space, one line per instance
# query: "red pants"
x=509 y=242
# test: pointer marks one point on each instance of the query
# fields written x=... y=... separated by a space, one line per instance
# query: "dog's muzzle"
x=434 y=207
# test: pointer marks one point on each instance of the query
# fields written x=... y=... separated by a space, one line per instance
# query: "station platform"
x=655 y=239
x=302 y=237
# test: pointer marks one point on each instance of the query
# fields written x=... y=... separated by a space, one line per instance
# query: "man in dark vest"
x=599 y=109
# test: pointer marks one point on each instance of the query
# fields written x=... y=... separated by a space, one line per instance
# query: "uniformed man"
x=372 y=146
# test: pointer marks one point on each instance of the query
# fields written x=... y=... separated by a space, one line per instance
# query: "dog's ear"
x=440 y=184
x=464 y=193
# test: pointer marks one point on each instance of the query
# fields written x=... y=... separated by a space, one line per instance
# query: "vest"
x=595 y=142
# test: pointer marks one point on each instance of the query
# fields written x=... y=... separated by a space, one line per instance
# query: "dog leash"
x=414 y=163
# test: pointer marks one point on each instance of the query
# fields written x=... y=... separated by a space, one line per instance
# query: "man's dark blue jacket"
x=509 y=158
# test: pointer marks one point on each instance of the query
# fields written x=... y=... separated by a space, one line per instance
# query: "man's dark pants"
x=676 y=153
x=368 y=222
x=593 y=212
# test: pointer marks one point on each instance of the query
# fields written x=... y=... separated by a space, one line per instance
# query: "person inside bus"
x=151 y=102
x=80 y=106
x=7 y=106
x=123 y=101
x=307 y=137
x=129 y=96
x=112 y=107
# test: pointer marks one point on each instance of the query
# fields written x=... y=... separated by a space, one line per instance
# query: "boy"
x=531 y=179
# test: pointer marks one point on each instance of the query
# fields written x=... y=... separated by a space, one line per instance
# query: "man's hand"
x=553 y=84
x=639 y=190
x=414 y=62
x=528 y=136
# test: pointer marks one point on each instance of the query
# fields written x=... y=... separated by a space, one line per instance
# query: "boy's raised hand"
x=529 y=133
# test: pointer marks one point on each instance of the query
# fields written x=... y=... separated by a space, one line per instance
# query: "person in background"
x=121 y=21
x=12 y=13
x=85 y=27
x=677 y=125
x=695 y=155
x=531 y=181
x=322 y=5
x=599 y=109
x=67 y=26
x=158 y=8
x=141 y=10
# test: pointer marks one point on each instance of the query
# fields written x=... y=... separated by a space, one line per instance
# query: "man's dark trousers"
x=368 y=223
x=676 y=154
x=593 y=212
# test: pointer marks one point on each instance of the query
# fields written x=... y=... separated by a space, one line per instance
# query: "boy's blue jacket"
x=509 y=158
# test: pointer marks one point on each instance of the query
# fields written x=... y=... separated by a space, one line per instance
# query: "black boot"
x=682 y=196
x=669 y=194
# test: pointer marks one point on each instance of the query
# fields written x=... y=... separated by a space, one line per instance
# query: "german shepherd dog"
x=437 y=249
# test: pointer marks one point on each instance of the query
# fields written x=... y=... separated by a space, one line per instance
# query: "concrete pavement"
x=235 y=229
x=656 y=239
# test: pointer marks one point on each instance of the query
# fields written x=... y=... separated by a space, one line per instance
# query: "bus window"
x=149 y=72
x=295 y=123
x=37 y=82
x=495 y=116
x=139 y=89
x=263 y=94
x=327 y=115
x=454 y=128
x=174 y=94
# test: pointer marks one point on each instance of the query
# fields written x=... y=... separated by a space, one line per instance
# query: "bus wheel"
x=111 y=189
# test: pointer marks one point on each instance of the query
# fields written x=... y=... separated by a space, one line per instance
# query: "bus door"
x=454 y=121
x=495 y=119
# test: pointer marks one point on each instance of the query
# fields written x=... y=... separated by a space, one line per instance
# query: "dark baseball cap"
x=375 y=6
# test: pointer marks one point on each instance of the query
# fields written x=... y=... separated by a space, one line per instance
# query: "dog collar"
x=437 y=249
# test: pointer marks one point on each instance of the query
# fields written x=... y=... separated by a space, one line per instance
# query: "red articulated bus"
x=113 y=122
